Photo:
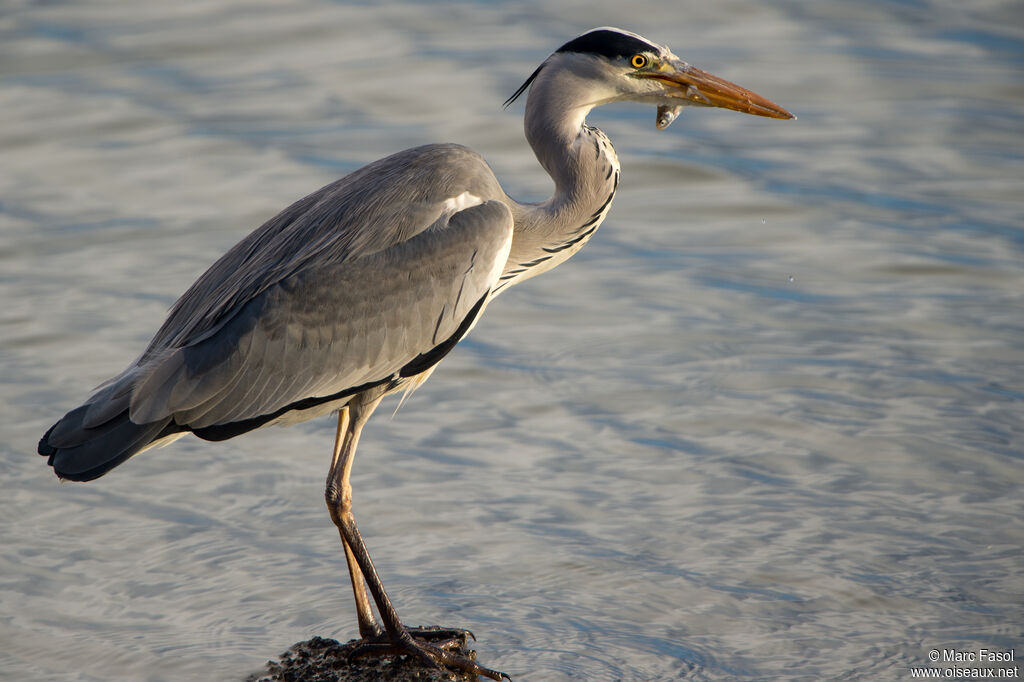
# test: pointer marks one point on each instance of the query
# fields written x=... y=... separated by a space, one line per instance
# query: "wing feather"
x=374 y=208
x=333 y=326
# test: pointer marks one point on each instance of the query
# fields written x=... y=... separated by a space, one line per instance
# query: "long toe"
x=435 y=655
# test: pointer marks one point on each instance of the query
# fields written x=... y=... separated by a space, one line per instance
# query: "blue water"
x=769 y=424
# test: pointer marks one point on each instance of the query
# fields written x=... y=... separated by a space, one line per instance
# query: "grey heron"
x=360 y=289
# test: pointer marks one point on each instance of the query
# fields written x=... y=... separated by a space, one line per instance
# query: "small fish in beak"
x=667 y=114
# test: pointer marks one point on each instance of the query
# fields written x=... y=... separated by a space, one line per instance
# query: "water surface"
x=767 y=425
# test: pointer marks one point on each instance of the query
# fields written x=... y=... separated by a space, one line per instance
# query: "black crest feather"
x=609 y=43
x=522 y=88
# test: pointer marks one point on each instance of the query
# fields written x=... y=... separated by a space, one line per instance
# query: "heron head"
x=620 y=65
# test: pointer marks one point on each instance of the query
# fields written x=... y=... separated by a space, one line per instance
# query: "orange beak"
x=704 y=89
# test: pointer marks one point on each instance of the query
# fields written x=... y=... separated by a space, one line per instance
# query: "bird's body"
x=359 y=289
x=354 y=307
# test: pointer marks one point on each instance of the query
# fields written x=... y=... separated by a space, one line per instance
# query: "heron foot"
x=431 y=646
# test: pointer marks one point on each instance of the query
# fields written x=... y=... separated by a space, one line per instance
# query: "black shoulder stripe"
x=424 y=361
x=417 y=365
x=230 y=430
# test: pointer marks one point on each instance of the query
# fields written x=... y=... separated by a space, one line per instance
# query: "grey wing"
x=369 y=210
x=331 y=328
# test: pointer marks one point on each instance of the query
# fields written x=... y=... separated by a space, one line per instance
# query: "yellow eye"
x=638 y=61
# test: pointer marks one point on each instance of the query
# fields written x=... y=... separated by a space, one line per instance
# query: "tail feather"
x=110 y=399
x=81 y=453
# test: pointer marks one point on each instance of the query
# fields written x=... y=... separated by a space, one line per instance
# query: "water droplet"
x=764 y=221
x=792 y=278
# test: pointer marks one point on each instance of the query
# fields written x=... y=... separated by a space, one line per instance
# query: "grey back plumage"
x=369 y=210
x=332 y=326
x=342 y=289
x=348 y=267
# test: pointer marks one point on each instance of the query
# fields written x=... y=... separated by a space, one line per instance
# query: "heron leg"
x=396 y=638
x=340 y=490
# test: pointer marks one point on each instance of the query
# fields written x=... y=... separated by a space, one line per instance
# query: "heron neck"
x=555 y=126
x=580 y=161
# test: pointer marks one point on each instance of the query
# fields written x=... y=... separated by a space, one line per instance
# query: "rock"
x=326 y=660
